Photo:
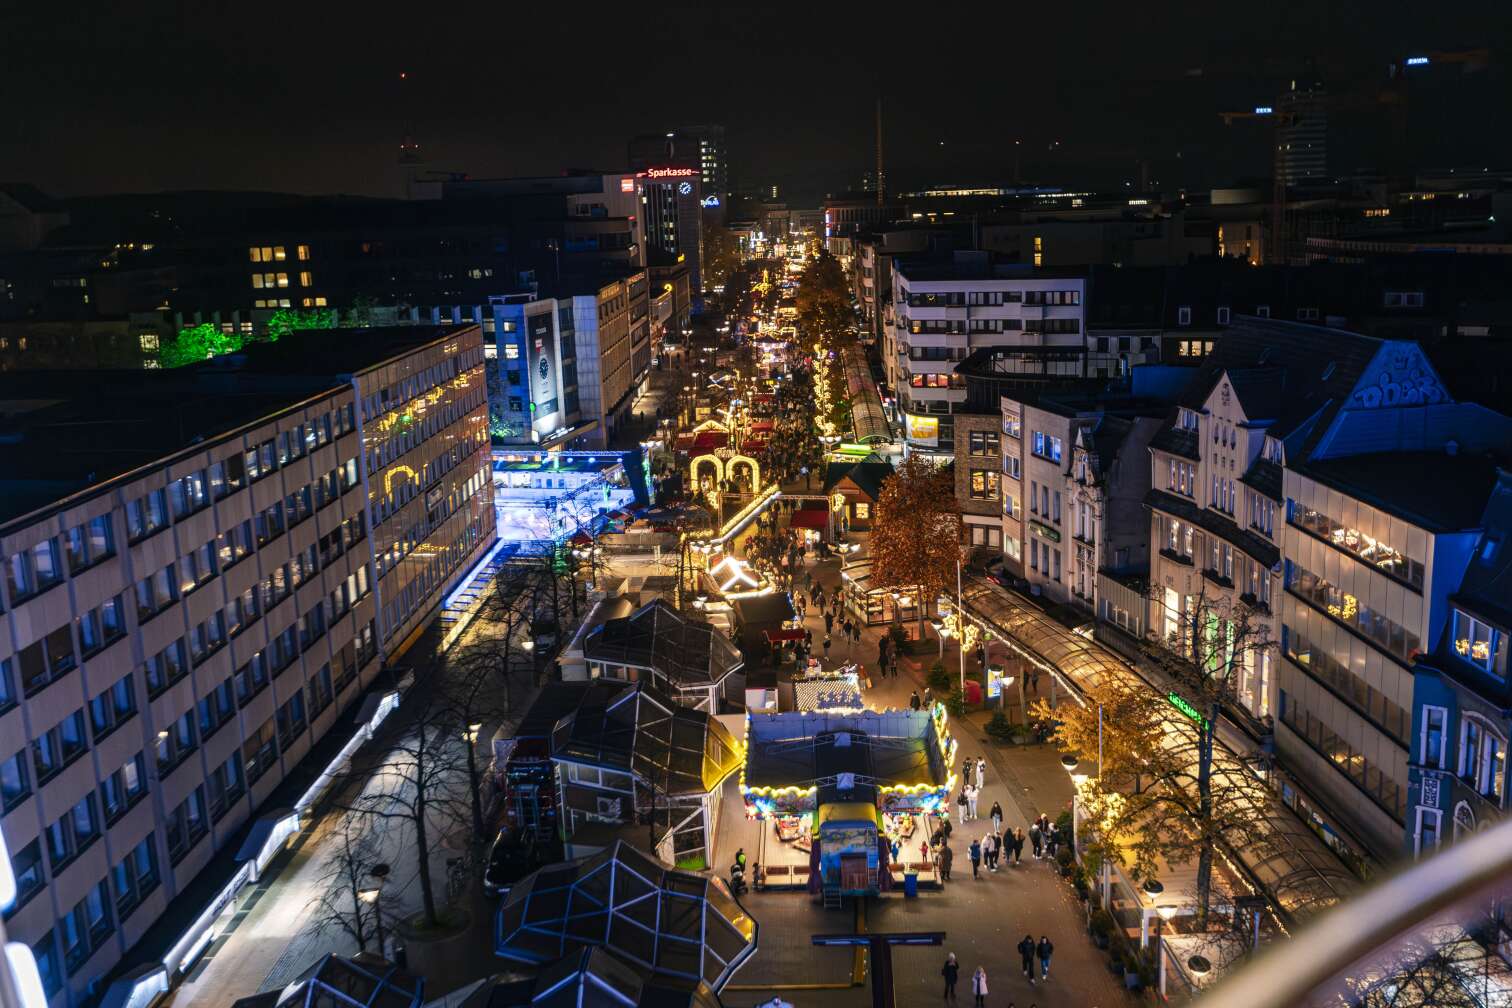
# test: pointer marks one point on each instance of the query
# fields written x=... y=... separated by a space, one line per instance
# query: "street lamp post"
x=470 y=736
x=379 y=873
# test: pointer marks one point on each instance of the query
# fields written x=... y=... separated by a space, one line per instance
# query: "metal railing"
x=1419 y=938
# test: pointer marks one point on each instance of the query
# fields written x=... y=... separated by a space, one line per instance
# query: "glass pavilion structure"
x=670 y=923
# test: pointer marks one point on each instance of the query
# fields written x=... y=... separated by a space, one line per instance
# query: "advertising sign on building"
x=922 y=430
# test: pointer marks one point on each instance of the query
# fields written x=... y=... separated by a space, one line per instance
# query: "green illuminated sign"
x=1182 y=704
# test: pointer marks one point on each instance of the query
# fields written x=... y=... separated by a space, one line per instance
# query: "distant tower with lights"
x=1302 y=133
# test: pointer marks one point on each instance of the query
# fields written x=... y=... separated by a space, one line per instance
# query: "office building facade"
x=193 y=598
x=943 y=310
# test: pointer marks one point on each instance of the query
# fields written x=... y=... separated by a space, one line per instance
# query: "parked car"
x=511 y=857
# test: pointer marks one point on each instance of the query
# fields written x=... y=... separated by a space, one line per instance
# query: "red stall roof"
x=811 y=518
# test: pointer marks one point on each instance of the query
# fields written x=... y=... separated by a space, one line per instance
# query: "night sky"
x=306 y=97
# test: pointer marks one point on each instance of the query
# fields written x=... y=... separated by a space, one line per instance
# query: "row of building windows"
x=1382 y=789
x=1345 y=684
x=1374 y=626
x=1369 y=550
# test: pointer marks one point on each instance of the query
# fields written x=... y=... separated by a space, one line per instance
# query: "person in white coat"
x=979 y=987
x=981 y=772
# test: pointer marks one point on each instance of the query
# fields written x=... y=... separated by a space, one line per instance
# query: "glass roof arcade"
x=1290 y=864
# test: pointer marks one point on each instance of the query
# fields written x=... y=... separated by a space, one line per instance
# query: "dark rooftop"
x=689 y=654
x=1434 y=490
x=62 y=432
x=638 y=729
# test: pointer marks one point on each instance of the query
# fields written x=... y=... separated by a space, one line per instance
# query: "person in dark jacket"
x=946 y=857
x=951 y=971
x=1044 y=950
x=975 y=853
x=1026 y=949
x=913 y=701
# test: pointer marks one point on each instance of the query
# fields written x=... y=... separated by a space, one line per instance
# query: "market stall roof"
x=706 y=441
x=363 y=981
x=810 y=518
x=658 y=637
x=827 y=694
x=1288 y=861
x=777 y=636
x=668 y=922
x=761 y=610
x=588 y=978
x=638 y=729
x=809 y=748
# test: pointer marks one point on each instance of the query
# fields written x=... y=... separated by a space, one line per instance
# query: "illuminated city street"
x=531 y=506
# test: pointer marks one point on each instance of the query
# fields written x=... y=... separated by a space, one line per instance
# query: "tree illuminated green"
x=198 y=343
x=288 y=320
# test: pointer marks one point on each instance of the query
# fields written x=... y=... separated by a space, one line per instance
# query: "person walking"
x=981 y=772
x=829 y=622
x=1044 y=950
x=974 y=852
x=972 y=794
x=928 y=699
x=1026 y=950
x=1018 y=845
x=996 y=815
x=962 y=806
x=946 y=857
x=979 y=987
x=993 y=847
x=827 y=643
x=913 y=700
x=951 y=971
x=1035 y=838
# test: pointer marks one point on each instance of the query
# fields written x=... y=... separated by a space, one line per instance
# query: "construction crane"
x=1276 y=243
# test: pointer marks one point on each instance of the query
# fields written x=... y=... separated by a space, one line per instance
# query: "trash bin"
x=911 y=885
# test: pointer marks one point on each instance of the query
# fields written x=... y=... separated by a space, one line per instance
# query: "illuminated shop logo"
x=668 y=173
x=685 y=188
x=544 y=368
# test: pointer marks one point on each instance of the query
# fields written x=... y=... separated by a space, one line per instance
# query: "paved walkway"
x=983 y=919
x=275 y=936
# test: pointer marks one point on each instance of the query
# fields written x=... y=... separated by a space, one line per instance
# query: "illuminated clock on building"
x=685 y=188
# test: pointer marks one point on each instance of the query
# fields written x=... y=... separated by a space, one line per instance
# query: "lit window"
x=283 y=279
x=279 y=254
x=305 y=279
x=320 y=302
x=303 y=251
x=149 y=341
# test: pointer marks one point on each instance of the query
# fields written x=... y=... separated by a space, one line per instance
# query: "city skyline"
x=200 y=106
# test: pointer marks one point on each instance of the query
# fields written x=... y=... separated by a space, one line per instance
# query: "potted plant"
x=1065 y=859
x=1102 y=925
x=1000 y=728
x=1133 y=973
x=1116 y=963
x=1079 y=883
x=938 y=680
